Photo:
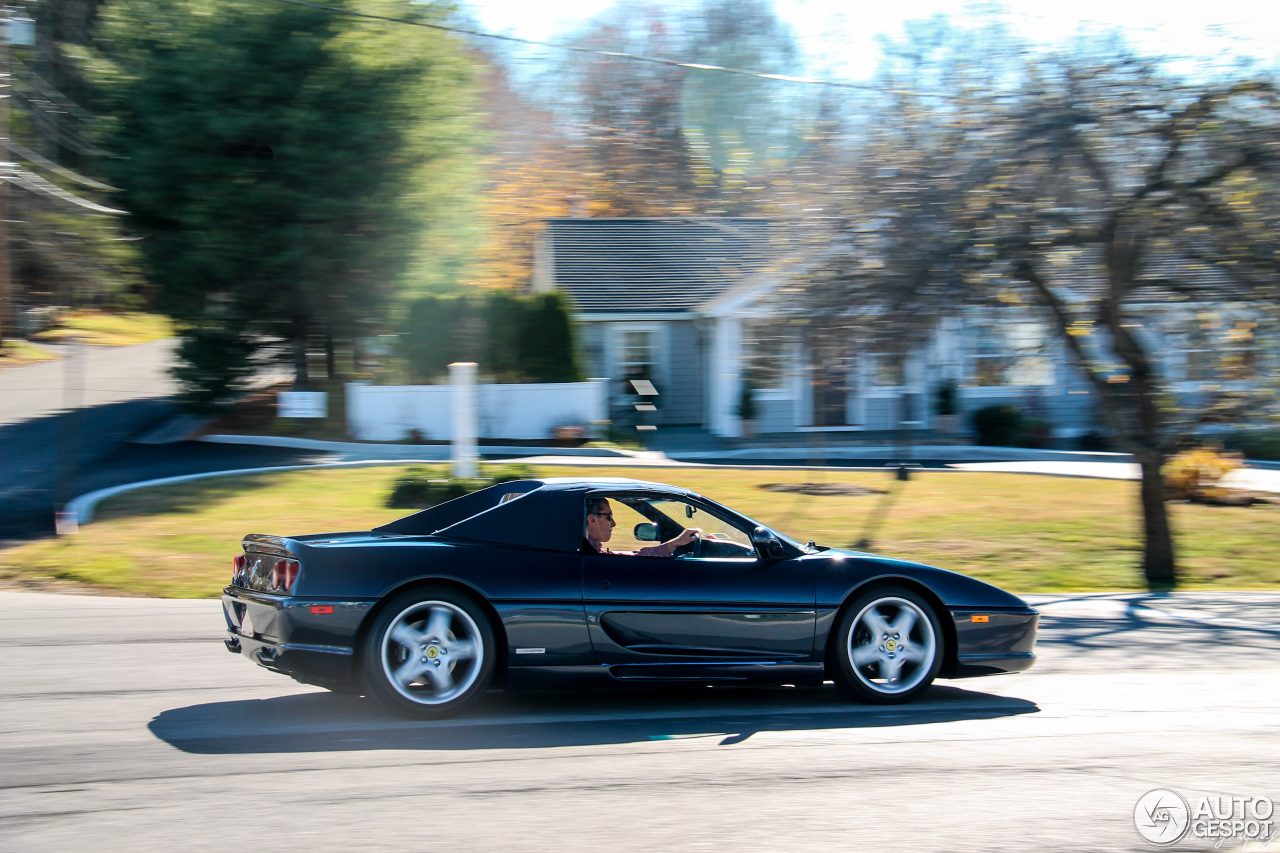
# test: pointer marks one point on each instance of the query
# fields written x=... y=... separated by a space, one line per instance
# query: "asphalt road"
x=65 y=428
x=126 y=725
x=47 y=461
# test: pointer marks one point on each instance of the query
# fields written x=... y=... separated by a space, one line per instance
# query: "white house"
x=686 y=303
x=661 y=300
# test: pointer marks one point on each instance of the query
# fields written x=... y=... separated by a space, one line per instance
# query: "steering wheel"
x=693 y=549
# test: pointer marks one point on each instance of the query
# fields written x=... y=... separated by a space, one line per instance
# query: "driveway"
x=65 y=428
x=86 y=377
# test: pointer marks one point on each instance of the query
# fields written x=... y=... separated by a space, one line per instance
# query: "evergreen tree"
x=284 y=163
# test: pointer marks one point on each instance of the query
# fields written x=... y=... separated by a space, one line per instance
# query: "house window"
x=1013 y=352
x=888 y=371
x=764 y=355
x=637 y=354
x=830 y=396
x=1220 y=349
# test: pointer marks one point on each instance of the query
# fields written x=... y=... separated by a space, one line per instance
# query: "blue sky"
x=844 y=32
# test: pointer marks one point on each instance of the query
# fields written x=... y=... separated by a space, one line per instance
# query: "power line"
x=42 y=86
x=25 y=153
x=608 y=54
x=15 y=174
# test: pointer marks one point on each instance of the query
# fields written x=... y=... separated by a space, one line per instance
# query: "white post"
x=462 y=376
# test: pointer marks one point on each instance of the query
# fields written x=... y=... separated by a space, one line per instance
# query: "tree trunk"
x=1131 y=410
x=1158 y=566
x=301 y=375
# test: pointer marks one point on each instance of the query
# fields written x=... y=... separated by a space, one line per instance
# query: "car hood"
x=843 y=568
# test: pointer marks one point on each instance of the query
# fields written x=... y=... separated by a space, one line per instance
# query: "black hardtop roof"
x=548 y=514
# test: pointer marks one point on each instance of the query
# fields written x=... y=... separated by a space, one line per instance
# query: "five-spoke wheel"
x=429 y=652
x=887 y=647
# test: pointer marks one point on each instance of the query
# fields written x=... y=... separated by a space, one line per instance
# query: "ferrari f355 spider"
x=508 y=586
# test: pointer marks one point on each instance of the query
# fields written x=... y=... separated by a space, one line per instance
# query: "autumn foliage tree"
x=609 y=136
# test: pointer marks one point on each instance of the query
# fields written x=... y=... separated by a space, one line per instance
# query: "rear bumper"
x=1002 y=640
x=284 y=635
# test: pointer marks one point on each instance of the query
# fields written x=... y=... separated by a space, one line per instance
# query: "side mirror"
x=767 y=545
x=646 y=531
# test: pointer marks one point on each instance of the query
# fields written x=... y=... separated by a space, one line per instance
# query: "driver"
x=600 y=526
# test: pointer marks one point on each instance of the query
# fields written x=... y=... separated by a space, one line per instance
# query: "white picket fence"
x=521 y=412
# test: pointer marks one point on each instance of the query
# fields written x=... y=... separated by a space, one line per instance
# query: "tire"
x=888 y=646
x=429 y=653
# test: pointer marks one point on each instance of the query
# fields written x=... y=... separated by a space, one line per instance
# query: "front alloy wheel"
x=429 y=653
x=888 y=646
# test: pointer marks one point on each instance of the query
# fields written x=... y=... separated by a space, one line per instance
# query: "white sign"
x=303 y=404
x=19 y=31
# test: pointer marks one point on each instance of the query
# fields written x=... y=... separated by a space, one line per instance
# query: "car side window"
x=624 y=535
x=720 y=539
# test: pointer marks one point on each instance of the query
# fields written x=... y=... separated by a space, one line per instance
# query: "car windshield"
x=681 y=514
x=751 y=524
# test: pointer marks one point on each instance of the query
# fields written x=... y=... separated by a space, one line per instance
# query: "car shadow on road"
x=327 y=722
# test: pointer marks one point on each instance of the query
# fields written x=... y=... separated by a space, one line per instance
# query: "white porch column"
x=462 y=378
x=726 y=377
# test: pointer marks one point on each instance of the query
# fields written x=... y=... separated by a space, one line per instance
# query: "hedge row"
x=419 y=488
x=513 y=338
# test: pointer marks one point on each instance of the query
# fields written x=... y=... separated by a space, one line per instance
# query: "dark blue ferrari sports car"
x=556 y=582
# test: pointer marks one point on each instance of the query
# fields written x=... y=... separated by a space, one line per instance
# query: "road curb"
x=412 y=452
x=83 y=507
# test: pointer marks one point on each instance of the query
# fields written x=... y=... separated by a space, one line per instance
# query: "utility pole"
x=16 y=31
x=6 y=301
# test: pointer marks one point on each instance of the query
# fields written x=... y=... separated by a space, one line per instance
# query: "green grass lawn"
x=1025 y=533
x=109 y=328
x=15 y=353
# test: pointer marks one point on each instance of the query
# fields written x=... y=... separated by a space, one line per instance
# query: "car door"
x=726 y=604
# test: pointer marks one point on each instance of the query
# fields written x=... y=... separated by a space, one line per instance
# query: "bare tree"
x=1085 y=186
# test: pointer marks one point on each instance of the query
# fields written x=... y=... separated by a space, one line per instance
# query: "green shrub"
x=997 y=426
x=1094 y=441
x=1260 y=444
x=213 y=364
x=419 y=488
x=513 y=338
x=508 y=473
x=547 y=352
x=1035 y=432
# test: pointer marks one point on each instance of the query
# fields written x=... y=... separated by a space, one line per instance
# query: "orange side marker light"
x=977 y=617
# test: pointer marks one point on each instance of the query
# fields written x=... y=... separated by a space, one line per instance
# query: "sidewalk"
x=1110 y=466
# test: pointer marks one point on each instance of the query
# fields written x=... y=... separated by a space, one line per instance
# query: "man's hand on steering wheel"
x=688 y=535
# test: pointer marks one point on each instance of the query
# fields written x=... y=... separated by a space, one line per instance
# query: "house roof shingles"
x=654 y=265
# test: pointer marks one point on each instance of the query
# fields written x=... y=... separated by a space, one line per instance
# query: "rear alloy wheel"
x=430 y=652
x=888 y=646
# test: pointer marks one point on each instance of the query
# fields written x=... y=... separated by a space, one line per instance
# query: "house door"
x=830 y=395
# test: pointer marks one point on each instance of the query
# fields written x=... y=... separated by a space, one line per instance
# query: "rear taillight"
x=237 y=570
x=283 y=574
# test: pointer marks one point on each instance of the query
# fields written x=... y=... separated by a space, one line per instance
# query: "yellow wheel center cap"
x=892 y=645
x=433 y=652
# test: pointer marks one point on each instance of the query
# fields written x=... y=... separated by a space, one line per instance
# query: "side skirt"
x=602 y=675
